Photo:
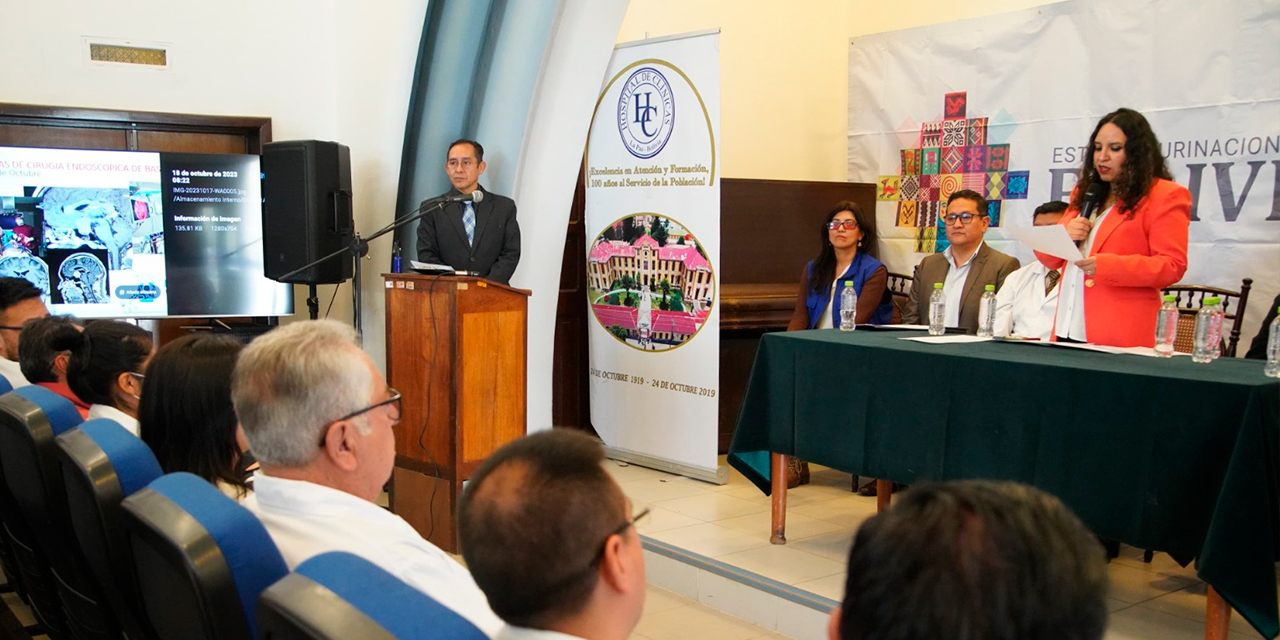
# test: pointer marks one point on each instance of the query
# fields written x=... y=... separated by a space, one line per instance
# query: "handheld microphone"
x=1094 y=196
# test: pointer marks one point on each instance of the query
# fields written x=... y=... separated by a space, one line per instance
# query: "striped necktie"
x=1051 y=280
x=469 y=222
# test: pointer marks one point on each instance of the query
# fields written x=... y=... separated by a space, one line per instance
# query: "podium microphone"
x=474 y=196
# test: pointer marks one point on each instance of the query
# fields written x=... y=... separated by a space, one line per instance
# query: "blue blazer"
x=859 y=270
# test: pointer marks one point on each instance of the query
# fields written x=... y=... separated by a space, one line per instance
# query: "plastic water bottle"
x=1167 y=327
x=987 y=312
x=1219 y=315
x=937 y=311
x=1208 y=331
x=848 y=307
x=1273 y=349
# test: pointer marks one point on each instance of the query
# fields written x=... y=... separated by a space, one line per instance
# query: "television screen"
x=129 y=234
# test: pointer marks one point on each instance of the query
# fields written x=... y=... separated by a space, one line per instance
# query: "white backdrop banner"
x=653 y=250
x=1004 y=105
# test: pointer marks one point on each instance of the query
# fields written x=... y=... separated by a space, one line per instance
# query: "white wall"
x=322 y=69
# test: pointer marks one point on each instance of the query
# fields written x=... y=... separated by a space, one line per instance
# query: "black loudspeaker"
x=306 y=210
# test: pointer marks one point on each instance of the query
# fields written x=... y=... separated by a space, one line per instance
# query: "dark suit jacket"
x=1258 y=348
x=443 y=240
x=988 y=267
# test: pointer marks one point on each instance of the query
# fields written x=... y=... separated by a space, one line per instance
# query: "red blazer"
x=1136 y=259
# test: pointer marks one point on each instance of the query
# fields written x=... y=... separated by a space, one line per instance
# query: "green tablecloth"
x=1162 y=454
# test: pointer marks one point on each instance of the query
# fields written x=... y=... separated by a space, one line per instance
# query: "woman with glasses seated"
x=186 y=416
x=107 y=359
x=848 y=243
x=1134 y=240
x=847 y=255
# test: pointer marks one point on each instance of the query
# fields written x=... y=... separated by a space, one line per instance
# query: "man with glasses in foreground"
x=965 y=268
x=319 y=418
x=551 y=540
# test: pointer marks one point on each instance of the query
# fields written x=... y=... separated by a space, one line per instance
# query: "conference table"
x=1162 y=454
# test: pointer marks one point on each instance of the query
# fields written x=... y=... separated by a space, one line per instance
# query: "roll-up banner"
x=653 y=252
x=1005 y=104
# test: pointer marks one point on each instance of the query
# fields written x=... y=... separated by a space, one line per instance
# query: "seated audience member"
x=964 y=268
x=1028 y=300
x=319 y=418
x=19 y=302
x=186 y=415
x=105 y=369
x=41 y=364
x=1258 y=348
x=550 y=539
x=973 y=559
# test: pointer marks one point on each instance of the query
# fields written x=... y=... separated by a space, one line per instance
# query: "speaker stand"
x=313 y=302
x=359 y=249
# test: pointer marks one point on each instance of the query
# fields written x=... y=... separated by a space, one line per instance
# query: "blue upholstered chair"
x=339 y=595
x=62 y=591
x=201 y=559
x=8 y=561
x=102 y=463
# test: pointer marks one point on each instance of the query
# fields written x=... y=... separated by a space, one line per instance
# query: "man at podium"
x=481 y=237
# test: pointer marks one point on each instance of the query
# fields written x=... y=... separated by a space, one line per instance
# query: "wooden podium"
x=456 y=349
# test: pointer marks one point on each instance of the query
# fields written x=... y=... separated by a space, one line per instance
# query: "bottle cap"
x=1170 y=298
x=847 y=284
x=1212 y=300
x=937 y=285
x=990 y=287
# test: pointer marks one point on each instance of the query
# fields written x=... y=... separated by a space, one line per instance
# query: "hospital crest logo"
x=646 y=113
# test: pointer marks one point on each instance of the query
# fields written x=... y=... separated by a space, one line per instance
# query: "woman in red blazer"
x=1134 y=245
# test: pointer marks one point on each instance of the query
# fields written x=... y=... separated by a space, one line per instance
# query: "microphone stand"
x=357 y=249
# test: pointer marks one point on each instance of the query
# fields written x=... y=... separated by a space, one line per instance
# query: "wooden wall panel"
x=770 y=228
x=19 y=135
x=193 y=142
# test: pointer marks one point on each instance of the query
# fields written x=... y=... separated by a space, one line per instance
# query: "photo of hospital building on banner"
x=649 y=294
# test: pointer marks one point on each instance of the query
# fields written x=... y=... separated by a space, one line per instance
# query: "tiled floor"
x=668 y=616
x=730 y=523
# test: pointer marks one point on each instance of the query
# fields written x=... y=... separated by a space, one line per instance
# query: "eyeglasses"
x=962 y=218
x=8 y=328
x=137 y=375
x=617 y=532
x=848 y=224
x=465 y=162
x=393 y=401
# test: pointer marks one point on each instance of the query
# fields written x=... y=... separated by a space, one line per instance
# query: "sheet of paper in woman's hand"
x=1051 y=239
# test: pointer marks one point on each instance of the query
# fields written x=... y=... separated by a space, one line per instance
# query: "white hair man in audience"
x=550 y=538
x=973 y=559
x=319 y=418
x=1028 y=301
